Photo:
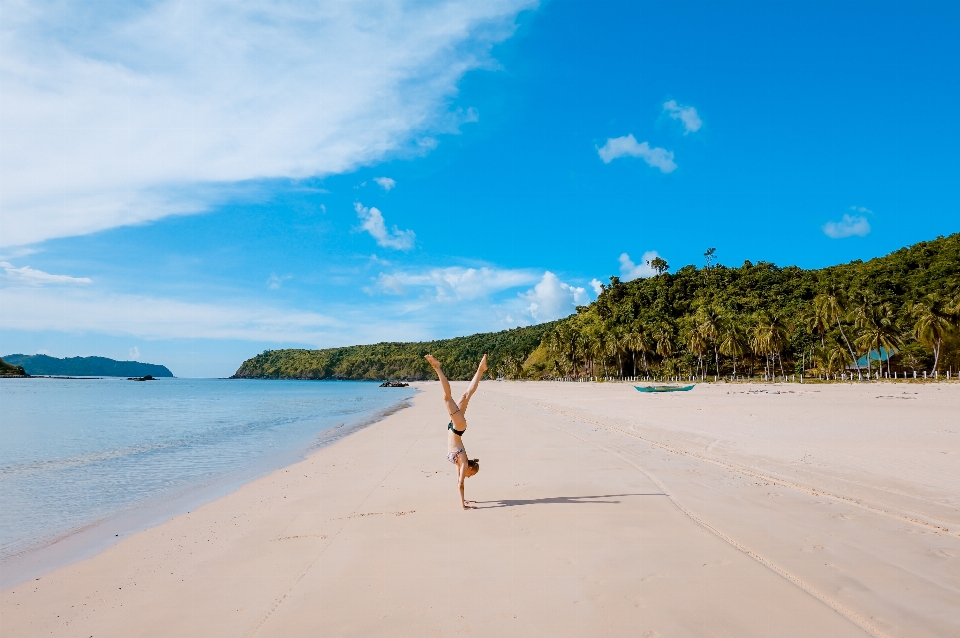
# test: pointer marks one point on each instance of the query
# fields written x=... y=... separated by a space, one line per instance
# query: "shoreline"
x=90 y=540
x=599 y=511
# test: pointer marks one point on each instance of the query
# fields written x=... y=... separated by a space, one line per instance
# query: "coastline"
x=602 y=511
x=92 y=539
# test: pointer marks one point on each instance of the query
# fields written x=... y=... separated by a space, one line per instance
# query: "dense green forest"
x=507 y=351
x=755 y=320
x=760 y=319
x=42 y=364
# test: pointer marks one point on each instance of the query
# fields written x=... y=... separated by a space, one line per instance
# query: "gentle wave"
x=74 y=453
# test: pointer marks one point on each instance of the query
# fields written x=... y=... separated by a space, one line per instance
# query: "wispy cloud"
x=274 y=282
x=386 y=183
x=374 y=224
x=621 y=146
x=630 y=271
x=455 y=283
x=551 y=298
x=686 y=114
x=134 y=353
x=861 y=209
x=849 y=226
x=137 y=112
x=30 y=277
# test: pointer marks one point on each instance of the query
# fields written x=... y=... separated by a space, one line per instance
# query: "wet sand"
x=731 y=510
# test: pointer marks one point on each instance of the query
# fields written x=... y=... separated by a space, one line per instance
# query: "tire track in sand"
x=844 y=611
x=902 y=517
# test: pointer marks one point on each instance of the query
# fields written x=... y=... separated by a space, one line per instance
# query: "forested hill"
x=718 y=320
x=763 y=319
x=506 y=349
x=41 y=364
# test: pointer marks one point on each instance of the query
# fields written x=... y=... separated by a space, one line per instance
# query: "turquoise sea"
x=85 y=454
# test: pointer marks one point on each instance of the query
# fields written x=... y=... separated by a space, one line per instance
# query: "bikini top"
x=455 y=430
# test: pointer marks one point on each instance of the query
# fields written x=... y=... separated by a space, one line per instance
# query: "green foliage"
x=755 y=319
x=768 y=319
x=459 y=357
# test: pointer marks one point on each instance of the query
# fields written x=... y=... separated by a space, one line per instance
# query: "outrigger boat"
x=664 y=388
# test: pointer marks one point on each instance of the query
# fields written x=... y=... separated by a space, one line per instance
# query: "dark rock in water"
x=394 y=384
x=145 y=378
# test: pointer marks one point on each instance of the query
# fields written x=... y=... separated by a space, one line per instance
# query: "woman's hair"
x=474 y=464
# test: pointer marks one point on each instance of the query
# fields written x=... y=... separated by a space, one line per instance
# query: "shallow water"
x=77 y=451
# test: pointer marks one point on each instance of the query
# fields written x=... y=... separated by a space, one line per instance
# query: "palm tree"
x=832 y=306
x=878 y=331
x=616 y=346
x=769 y=335
x=708 y=322
x=697 y=344
x=817 y=320
x=732 y=341
x=830 y=358
x=663 y=337
x=664 y=340
x=638 y=341
x=760 y=344
x=932 y=324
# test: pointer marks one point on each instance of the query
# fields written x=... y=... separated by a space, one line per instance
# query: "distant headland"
x=43 y=365
x=7 y=370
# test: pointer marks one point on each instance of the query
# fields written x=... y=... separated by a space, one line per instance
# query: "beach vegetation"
x=758 y=320
x=766 y=321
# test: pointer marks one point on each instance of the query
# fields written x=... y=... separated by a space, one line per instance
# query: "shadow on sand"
x=572 y=500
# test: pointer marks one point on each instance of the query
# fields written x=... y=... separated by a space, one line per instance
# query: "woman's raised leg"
x=447 y=397
x=474 y=384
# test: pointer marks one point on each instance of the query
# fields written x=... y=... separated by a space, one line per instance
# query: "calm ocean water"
x=77 y=451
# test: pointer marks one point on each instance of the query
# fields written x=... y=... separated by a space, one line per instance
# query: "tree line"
x=507 y=350
x=760 y=320
x=756 y=320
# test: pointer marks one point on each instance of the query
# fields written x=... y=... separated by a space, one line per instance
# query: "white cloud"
x=551 y=298
x=374 y=224
x=274 y=282
x=134 y=353
x=861 y=209
x=116 y=117
x=630 y=271
x=456 y=283
x=597 y=286
x=619 y=146
x=848 y=226
x=30 y=277
x=686 y=114
x=386 y=183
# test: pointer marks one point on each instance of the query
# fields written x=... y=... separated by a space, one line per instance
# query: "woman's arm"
x=461 y=476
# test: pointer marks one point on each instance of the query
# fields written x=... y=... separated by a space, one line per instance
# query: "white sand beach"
x=730 y=510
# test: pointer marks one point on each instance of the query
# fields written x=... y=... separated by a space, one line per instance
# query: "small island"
x=44 y=365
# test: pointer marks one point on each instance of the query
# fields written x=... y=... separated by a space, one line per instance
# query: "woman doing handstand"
x=456 y=453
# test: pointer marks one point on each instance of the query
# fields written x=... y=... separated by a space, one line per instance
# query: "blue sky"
x=192 y=184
